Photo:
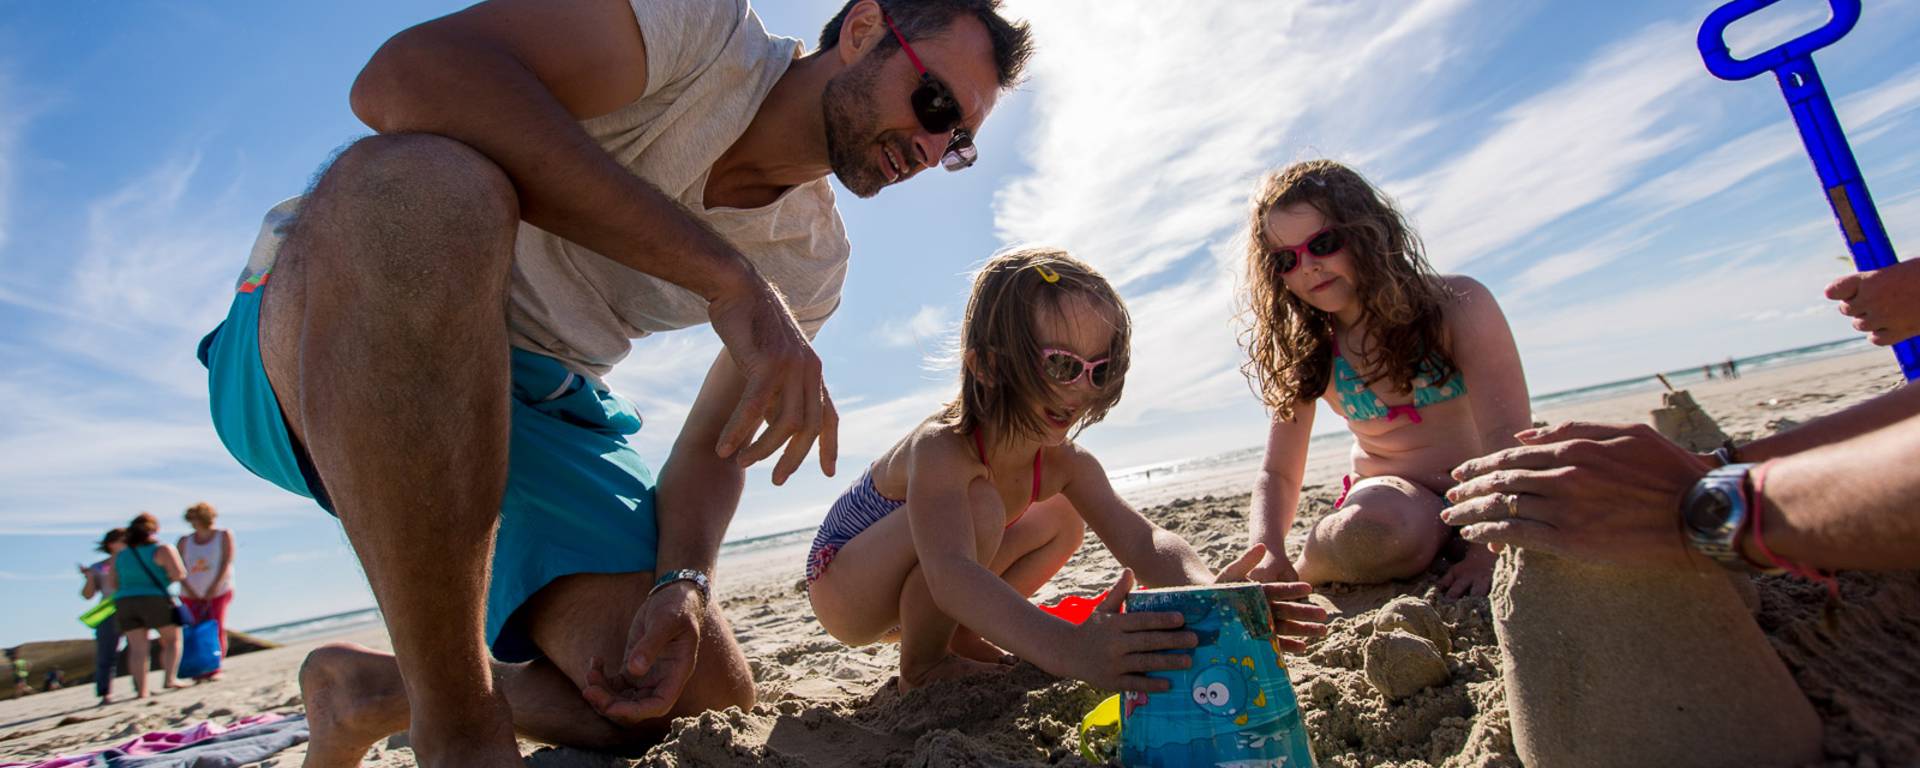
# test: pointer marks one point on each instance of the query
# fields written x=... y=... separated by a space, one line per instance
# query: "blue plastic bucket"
x=1234 y=707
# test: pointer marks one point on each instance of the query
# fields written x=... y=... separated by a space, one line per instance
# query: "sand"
x=1371 y=692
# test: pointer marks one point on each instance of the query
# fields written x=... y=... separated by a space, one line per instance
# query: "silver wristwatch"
x=1716 y=512
x=698 y=578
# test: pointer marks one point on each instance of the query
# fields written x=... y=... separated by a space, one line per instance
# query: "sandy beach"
x=823 y=704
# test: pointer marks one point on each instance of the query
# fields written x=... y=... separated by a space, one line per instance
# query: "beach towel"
x=207 y=745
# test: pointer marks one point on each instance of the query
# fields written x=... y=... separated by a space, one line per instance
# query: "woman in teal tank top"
x=1422 y=367
x=139 y=577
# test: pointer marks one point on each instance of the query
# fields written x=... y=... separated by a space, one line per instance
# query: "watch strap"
x=699 y=579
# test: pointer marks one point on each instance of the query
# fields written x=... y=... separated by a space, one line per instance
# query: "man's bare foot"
x=354 y=698
x=950 y=667
x=970 y=645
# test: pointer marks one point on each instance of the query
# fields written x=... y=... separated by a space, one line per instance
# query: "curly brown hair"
x=1000 y=378
x=1289 y=343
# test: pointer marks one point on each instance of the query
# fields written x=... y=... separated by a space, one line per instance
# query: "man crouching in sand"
x=419 y=343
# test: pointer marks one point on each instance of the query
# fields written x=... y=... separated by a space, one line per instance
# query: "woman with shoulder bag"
x=139 y=577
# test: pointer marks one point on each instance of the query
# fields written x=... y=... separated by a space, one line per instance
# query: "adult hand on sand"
x=1290 y=619
x=662 y=646
x=1113 y=651
x=1592 y=491
x=1885 y=303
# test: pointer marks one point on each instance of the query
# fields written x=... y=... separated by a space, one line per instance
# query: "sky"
x=1630 y=212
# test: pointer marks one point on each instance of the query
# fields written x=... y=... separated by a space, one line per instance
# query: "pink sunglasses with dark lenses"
x=1322 y=244
x=1065 y=368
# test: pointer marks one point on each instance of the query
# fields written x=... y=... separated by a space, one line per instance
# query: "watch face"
x=1708 y=510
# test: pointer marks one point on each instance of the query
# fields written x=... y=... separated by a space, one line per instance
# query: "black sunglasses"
x=937 y=110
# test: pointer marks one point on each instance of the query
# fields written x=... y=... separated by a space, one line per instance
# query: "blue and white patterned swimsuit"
x=863 y=505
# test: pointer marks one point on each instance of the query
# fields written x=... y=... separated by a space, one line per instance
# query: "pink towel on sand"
x=152 y=743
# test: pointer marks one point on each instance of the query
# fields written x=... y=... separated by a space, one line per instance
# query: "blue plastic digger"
x=1846 y=191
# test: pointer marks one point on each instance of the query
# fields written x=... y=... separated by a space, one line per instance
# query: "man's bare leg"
x=354 y=696
x=383 y=332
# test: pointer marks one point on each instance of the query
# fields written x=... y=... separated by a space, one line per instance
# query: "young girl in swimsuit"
x=949 y=532
x=1344 y=307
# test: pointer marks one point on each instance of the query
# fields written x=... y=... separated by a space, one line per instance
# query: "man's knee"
x=401 y=172
x=408 y=196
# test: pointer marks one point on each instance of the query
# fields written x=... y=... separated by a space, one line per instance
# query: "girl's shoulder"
x=936 y=441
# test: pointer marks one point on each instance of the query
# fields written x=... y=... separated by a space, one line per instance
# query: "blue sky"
x=1631 y=212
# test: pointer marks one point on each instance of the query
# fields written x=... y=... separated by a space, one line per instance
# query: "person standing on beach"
x=22 y=669
x=139 y=577
x=208 y=587
x=1344 y=308
x=106 y=636
x=552 y=179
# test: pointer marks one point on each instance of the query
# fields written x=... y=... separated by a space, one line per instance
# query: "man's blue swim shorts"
x=578 y=498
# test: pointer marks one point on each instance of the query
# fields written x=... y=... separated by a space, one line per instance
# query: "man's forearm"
x=429 y=81
x=1847 y=505
x=1852 y=422
x=693 y=505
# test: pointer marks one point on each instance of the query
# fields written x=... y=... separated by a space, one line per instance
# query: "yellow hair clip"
x=1047 y=274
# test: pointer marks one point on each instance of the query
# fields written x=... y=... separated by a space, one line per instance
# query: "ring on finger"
x=1513 y=504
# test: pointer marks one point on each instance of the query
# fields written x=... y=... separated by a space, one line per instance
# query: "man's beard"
x=851 y=132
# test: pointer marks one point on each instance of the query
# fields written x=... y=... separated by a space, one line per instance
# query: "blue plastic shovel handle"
x=1720 y=61
x=1826 y=144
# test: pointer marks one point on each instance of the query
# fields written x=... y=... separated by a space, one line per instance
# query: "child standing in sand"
x=1344 y=307
x=949 y=532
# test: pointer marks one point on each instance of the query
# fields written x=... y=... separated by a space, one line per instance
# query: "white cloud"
x=1866 y=114
x=1143 y=153
x=927 y=328
x=104 y=410
x=1560 y=150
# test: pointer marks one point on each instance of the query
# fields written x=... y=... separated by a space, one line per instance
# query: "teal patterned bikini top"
x=1360 y=403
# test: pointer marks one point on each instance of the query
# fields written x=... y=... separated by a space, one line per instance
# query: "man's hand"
x=1592 y=491
x=1884 y=303
x=785 y=389
x=1291 y=619
x=662 y=646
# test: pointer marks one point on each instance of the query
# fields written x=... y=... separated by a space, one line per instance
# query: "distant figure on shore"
x=55 y=680
x=138 y=578
x=1707 y=370
x=106 y=637
x=21 y=669
x=1731 y=369
x=208 y=587
x=1344 y=307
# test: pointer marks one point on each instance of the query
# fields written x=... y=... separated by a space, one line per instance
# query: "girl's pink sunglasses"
x=1065 y=368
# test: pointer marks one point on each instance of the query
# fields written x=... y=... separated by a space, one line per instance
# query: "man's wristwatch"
x=685 y=574
x=1716 y=513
